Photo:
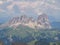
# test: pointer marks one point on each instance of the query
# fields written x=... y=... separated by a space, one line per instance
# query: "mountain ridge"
x=42 y=22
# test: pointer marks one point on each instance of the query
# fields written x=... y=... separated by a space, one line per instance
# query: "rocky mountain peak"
x=42 y=21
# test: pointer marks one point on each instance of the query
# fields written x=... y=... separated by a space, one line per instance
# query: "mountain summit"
x=42 y=22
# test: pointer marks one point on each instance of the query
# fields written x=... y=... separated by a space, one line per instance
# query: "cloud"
x=38 y=11
x=38 y=6
x=1 y=2
x=52 y=6
x=9 y=0
x=52 y=1
x=10 y=7
x=1 y=10
x=25 y=4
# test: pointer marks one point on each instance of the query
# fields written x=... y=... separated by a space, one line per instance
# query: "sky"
x=11 y=8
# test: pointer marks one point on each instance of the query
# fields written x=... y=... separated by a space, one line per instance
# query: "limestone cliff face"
x=42 y=22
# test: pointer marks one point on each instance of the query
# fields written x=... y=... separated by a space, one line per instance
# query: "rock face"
x=41 y=22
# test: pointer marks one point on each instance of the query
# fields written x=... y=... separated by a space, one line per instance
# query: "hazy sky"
x=9 y=8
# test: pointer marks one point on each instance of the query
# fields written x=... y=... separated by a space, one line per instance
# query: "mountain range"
x=41 y=22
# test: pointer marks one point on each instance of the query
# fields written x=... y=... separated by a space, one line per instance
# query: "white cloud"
x=36 y=5
x=1 y=10
x=9 y=0
x=1 y=2
x=10 y=7
x=38 y=11
x=25 y=4
x=52 y=6
x=53 y=1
